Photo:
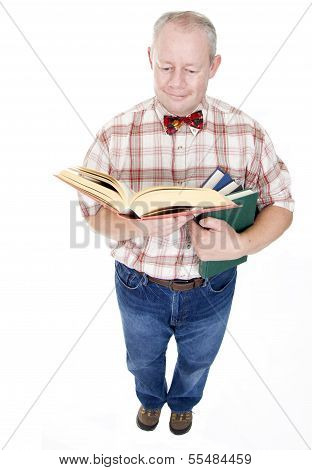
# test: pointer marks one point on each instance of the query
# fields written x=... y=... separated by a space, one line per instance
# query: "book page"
x=238 y=194
x=166 y=213
x=109 y=180
x=93 y=190
x=160 y=197
x=99 y=199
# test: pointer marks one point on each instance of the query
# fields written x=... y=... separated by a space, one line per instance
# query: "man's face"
x=181 y=65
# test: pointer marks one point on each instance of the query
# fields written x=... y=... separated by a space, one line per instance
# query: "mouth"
x=176 y=97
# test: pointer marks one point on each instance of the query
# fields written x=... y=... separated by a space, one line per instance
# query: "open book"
x=156 y=201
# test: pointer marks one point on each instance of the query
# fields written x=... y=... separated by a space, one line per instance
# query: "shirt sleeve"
x=97 y=158
x=269 y=175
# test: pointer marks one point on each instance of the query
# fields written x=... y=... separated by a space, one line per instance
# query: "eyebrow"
x=168 y=62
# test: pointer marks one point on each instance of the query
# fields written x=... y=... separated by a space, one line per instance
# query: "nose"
x=177 y=79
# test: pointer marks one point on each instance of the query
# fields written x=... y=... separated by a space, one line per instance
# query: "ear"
x=214 y=66
x=150 y=56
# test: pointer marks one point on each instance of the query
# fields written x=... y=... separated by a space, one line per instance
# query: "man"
x=159 y=290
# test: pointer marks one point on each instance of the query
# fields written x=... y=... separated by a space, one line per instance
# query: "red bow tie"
x=173 y=123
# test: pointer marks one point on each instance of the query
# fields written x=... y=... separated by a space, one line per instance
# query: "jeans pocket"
x=128 y=277
x=220 y=282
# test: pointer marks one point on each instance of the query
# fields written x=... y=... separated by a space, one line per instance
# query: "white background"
x=96 y=53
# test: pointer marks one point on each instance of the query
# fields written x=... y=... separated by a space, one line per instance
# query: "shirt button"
x=188 y=245
x=180 y=147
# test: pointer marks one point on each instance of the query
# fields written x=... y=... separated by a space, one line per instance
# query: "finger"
x=184 y=221
x=181 y=217
x=193 y=226
x=211 y=222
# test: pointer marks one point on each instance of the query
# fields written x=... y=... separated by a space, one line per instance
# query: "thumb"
x=212 y=223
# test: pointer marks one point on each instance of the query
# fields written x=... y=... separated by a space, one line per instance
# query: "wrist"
x=245 y=243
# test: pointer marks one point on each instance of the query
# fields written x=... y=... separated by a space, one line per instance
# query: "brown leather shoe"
x=147 y=419
x=180 y=423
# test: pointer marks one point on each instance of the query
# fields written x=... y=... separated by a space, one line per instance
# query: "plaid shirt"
x=135 y=148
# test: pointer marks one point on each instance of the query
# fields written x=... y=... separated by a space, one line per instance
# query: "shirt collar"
x=161 y=111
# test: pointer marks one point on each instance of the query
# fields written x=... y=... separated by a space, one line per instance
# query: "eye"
x=192 y=71
x=165 y=69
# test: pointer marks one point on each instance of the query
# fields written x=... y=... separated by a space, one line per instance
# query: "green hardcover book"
x=239 y=219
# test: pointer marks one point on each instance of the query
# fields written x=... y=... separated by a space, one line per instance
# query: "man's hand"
x=215 y=239
x=161 y=227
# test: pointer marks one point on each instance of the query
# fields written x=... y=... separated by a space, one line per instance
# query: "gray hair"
x=189 y=20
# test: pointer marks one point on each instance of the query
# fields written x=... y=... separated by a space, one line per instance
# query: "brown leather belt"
x=178 y=284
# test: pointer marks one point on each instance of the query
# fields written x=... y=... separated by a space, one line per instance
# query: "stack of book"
x=239 y=218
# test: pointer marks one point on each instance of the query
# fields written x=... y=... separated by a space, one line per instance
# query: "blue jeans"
x=151 y=314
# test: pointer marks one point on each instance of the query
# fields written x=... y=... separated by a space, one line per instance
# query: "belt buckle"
x=181 y=281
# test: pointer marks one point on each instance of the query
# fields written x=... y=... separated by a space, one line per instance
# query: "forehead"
x=175 y=43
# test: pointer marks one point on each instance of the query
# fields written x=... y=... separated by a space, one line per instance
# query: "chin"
x=177 y=105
